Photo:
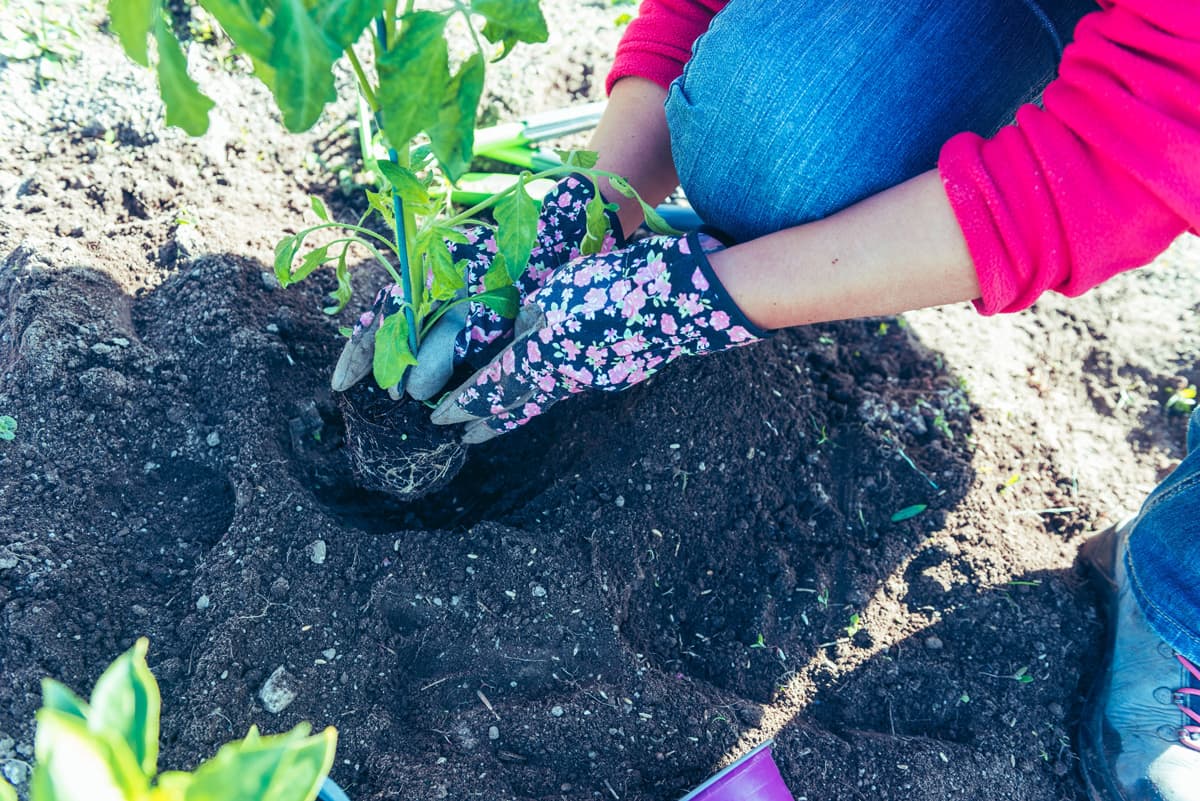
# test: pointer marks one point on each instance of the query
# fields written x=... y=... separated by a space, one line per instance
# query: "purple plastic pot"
x=754 y=777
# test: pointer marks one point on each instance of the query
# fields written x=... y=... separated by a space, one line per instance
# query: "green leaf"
x=382 y=203
x=242 y=26
x=511 y=21
x=407 y=185
x=909 y=511
x=392 y=352
x=517 y=224
x=344 y=20
x=126 y=701
x=60 y=697
x=285 y=251
x=171 y=786
x=75 y=763
x=187 y=107
x=578 y=158
x=7 y=793
x=597 y=227
x=654 y=220
x=503 y=301
x=302 y=57
x=318 y=207
x=312 y=260
x=496 y=275
x=415 y=69
x=453 y=135
x=341 y=295
x=8 y=427
x=132 y=20
x=447 y=275
x=281 y=767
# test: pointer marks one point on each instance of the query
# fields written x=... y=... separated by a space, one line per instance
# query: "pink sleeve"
x=658 y=42
x=1101 y=180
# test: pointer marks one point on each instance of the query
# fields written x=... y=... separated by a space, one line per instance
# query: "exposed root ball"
x=393 y=446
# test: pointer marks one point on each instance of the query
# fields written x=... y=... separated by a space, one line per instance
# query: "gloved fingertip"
x=449 y=413
x=479 y=433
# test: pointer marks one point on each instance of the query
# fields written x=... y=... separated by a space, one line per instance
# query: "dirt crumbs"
x=857 y=538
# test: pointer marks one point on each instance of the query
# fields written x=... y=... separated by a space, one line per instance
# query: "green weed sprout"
x=1182 y=401
x=417 y=128
x=106 y=749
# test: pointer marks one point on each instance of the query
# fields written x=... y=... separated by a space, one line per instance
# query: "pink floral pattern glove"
x=602 y=322
x=467 y=336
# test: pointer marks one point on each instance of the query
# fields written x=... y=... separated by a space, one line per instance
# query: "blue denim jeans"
x=1163 y=559
x=790 y=110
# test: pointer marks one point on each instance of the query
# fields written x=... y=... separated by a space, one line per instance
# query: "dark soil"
x=610 y=603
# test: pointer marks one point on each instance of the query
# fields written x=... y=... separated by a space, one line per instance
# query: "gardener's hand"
x=467 y=329
x=602 y=322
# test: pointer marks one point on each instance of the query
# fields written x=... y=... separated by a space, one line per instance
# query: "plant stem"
x=404 y=220
x=364 y=85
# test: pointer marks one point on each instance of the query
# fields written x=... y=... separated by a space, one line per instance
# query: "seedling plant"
x=417 y=111
x=106 y=749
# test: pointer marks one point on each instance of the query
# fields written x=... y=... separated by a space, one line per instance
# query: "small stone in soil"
x=933 y=642
x=278 y=691
x=202 y=603
x=213 y=439
x=556 y=711
x=316 y=552
x=493 y=733
x=538 y=591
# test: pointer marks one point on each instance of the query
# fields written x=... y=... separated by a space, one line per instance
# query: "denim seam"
x=1047 y=24
x=1192 y=651
x=1192 y=482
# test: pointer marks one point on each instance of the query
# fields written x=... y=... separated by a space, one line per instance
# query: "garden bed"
x=611 y=603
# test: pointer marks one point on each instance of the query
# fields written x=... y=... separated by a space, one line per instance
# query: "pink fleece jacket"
x=1099 y=181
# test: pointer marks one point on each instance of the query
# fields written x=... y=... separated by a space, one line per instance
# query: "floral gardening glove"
x=605 y=322
x=467 y=330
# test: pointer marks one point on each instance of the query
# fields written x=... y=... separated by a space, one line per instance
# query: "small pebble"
x=102 y=349
x=933 y=642
x=620 y=501
x=16 y=772
x=278 y=691
x=556 y=711
x=213 y=439
x=493 y=733
x=329 y=653
x=316 y=552
x=202 y=603
x=538 y=591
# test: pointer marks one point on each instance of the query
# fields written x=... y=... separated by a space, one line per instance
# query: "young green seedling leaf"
x=517 y=218
x=597 y=227
x=132 y=20
x=578 y=158
x=503 y=301
x=236 y=18
x=392 y=353
x=452 y=137
x=341 y=295
x=909 y=511
x=407 y=185
x=318 y=207
x=186 y=106
x=285 y=251
x=302 y=58
x=266 y=768
x=126 y=701
x=654 y=220
x=58 y=696
x=74 y=763
x=415 y=69
x=511 y=21
x=344 y=20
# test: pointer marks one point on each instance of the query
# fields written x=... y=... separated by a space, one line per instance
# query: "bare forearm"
x=898 y=250
x=633 y=142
